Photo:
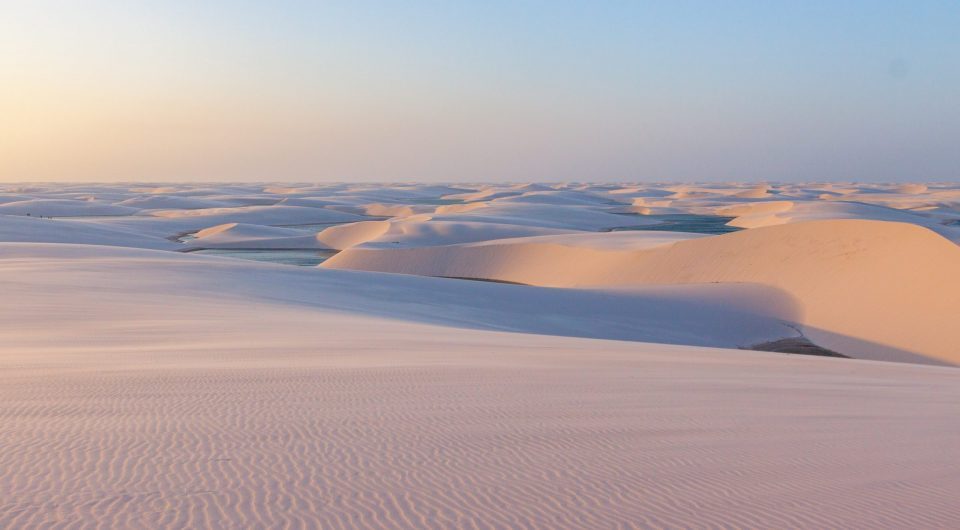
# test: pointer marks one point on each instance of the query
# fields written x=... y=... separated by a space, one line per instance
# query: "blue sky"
x=298 y=90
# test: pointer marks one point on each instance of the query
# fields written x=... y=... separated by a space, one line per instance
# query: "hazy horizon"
x=496 y=92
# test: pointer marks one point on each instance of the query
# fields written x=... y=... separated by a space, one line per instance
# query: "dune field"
x=480 y=356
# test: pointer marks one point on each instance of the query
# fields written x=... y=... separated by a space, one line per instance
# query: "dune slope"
x=872 y=289
x=215 y=393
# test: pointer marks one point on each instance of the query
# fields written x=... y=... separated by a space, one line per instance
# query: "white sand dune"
x=155 y=201
x=352 y=234
x=545 y=216
x=13 y=197
x=245 y=236
x=874 y=290
x=64 y=208
x=568 y=198
x=393 y=210
x=250 y=200
x=459 y=208
x=21 y=228
x=708 y=315
x=757 y=214
x=148 y=388
x=403 y=233
x=171 y=223
x=425 y=231
x=264 y=214
x=759 y=192
x=912 y=189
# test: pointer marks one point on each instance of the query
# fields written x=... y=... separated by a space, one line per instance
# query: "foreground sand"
x=479 y=433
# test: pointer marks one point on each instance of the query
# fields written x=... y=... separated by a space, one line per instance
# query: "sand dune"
x=425 y=231
x=892 y=286
x=708 y=315
x=759 y=192
x=172 y=223
x=265 y=214
x=155 y=201
x=392 y=210
x=545 y=216
x=459 y=208
x=563 y=198
x=348 y=235
x=757 y=214
x=64 y=208
x=244 y=236
x=21 y=228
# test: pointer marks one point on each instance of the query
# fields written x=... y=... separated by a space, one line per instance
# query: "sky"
x=297 y=90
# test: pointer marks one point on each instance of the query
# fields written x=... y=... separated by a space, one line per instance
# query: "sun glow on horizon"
x=113 y=90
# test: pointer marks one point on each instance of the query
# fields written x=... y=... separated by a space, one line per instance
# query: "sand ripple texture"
x=719 y=442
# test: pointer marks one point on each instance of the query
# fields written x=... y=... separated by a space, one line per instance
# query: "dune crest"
x=758 y=192
x=757 y=214
x=459 y=208
x=348 y=235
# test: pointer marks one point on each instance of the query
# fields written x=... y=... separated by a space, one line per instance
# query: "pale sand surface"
x=169 y=400
x=479 y=433
x=149 y=388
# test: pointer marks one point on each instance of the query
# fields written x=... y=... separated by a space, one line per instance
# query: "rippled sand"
x=578 y=435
